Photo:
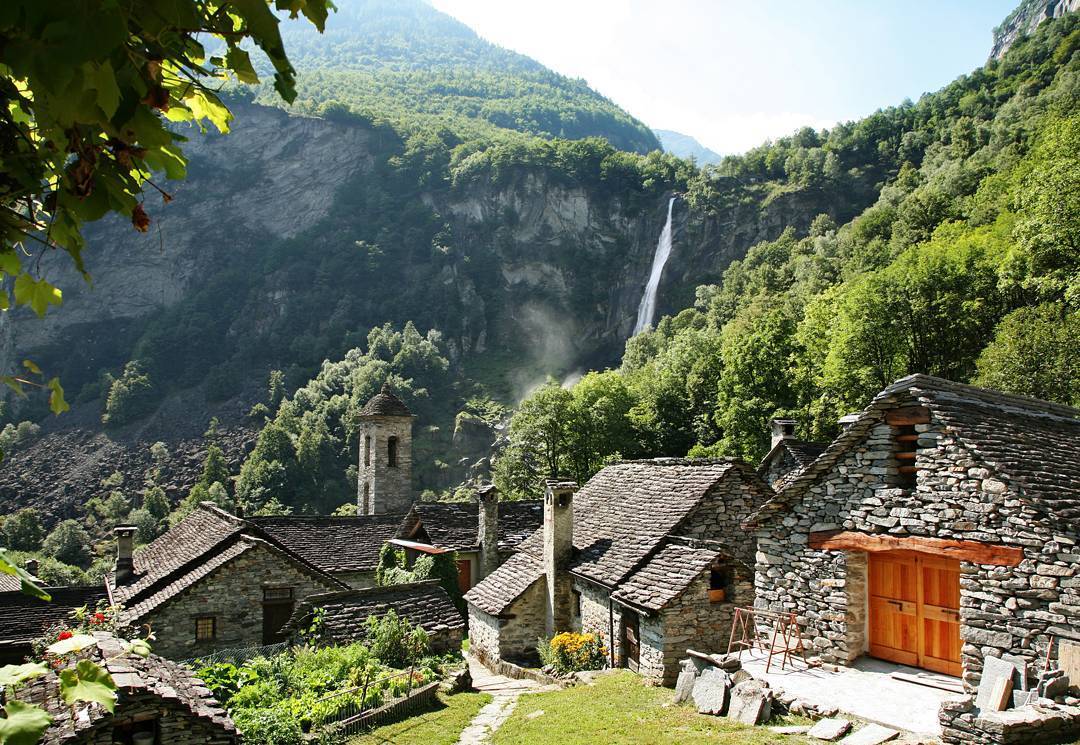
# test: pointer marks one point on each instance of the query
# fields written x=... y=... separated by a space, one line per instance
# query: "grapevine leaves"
x=28 y=581
x=88 y=682
x=24 y=723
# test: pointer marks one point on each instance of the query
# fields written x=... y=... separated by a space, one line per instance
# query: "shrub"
x=395 y=641
x=131 y=396
x=569 y=652
x=225 y=679
x=69 y=543
x=269 y=726
x=23 y=531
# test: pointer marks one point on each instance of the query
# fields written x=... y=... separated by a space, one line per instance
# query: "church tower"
x=384 y=477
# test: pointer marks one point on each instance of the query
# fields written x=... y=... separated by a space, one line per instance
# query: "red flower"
x=99 y=616
x=64 y=635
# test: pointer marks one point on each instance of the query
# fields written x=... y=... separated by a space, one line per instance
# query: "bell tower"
x=384 y=476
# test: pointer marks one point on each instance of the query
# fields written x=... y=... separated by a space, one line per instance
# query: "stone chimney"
x=782 y=429
x=124 y=572
x=488 y=496
x=558 y=548
x=32 y=567
x=847 y=420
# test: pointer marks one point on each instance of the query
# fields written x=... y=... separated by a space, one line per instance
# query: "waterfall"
x=647 y=309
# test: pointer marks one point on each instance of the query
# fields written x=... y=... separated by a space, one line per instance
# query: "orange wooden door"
x=939 y=583
x=894 y=624
x=464 y=575
x=915 y=610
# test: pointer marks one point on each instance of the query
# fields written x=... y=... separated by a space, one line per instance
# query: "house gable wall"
x=513 y=636
x=233 y=594
x=1003 y=609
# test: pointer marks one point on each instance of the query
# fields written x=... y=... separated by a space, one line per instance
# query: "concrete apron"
x=865 y=690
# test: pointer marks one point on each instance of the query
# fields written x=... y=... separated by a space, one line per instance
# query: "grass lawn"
x=621 y=709
x=439 y=726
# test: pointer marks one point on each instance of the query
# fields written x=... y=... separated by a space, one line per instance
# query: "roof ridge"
x=676 y=461
x=986 y=396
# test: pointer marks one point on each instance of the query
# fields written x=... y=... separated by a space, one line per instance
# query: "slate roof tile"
x=345 y=613
x=333 y=544
x=665 y=576
x=455 y=525
x=385 y=403
x=506 y=584
x=24 y=618
x=137 y=676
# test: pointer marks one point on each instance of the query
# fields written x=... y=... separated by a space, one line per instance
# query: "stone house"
x=157 y=699
x=939 y=528
x=649 y=555
x=345 y=613
x=213 y=581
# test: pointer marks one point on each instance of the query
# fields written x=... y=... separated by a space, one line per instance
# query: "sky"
x=733 y=74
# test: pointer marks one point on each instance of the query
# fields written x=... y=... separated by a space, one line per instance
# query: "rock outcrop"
x=1025 y=19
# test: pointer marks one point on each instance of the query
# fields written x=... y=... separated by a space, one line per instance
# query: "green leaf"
x=139 y=647
x=57 y=404
x=103 y=81
x=75 y=643
x=240 y=63
x=28 y=581
x=9 y=262
x=88 y=682
x=29 y=365
x=37 y=293
x=24 y=724
x=12 y=674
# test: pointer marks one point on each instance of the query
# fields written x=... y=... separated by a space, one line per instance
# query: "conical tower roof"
x=385 y=403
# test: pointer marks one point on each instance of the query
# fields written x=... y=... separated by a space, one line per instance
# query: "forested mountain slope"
x=404 y=61
x=967 y=266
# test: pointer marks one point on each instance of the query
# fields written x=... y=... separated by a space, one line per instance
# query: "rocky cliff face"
x=1025 y=19
x=534 y=275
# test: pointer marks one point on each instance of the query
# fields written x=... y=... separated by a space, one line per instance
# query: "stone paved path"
x=505 y=692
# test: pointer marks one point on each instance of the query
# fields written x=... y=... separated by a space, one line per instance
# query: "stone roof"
x=1034 y=445
x=456 y=525
x=385 y=403
x=801 y=452
x=200 y=543
x=664 y=577
x=621 y=517
x=24 y=618
x=8 y=583
x=333 y=544
x=189 y=541
x=345 y=613
x=135 y=677
x=506 y=584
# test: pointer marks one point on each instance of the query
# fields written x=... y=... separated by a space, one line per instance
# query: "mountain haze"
x=686 y=146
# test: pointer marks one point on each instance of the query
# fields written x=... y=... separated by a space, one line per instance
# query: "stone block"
x=684 y=686
x=751 y=702
x=829 y=729
x=711 y=692
x=871 y=734
x=994 y=669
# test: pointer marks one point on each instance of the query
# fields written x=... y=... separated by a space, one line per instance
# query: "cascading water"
x=647 y=309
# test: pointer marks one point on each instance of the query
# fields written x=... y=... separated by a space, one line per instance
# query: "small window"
x=367 y=450
x=205 y=628
x=577 y=603
x=277 y=594
x=391 y=452
x=720 y=579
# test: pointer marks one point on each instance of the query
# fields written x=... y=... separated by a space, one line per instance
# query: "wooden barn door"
x=915 y=610
x=631 y=639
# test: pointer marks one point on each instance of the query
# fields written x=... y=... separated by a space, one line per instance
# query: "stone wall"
x=513 y=637
x=175 y=725
x=595 y=619
x=233 y=594
x=962 y=724
x=1003 y=609
x=781 y=465
x=720 y=516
